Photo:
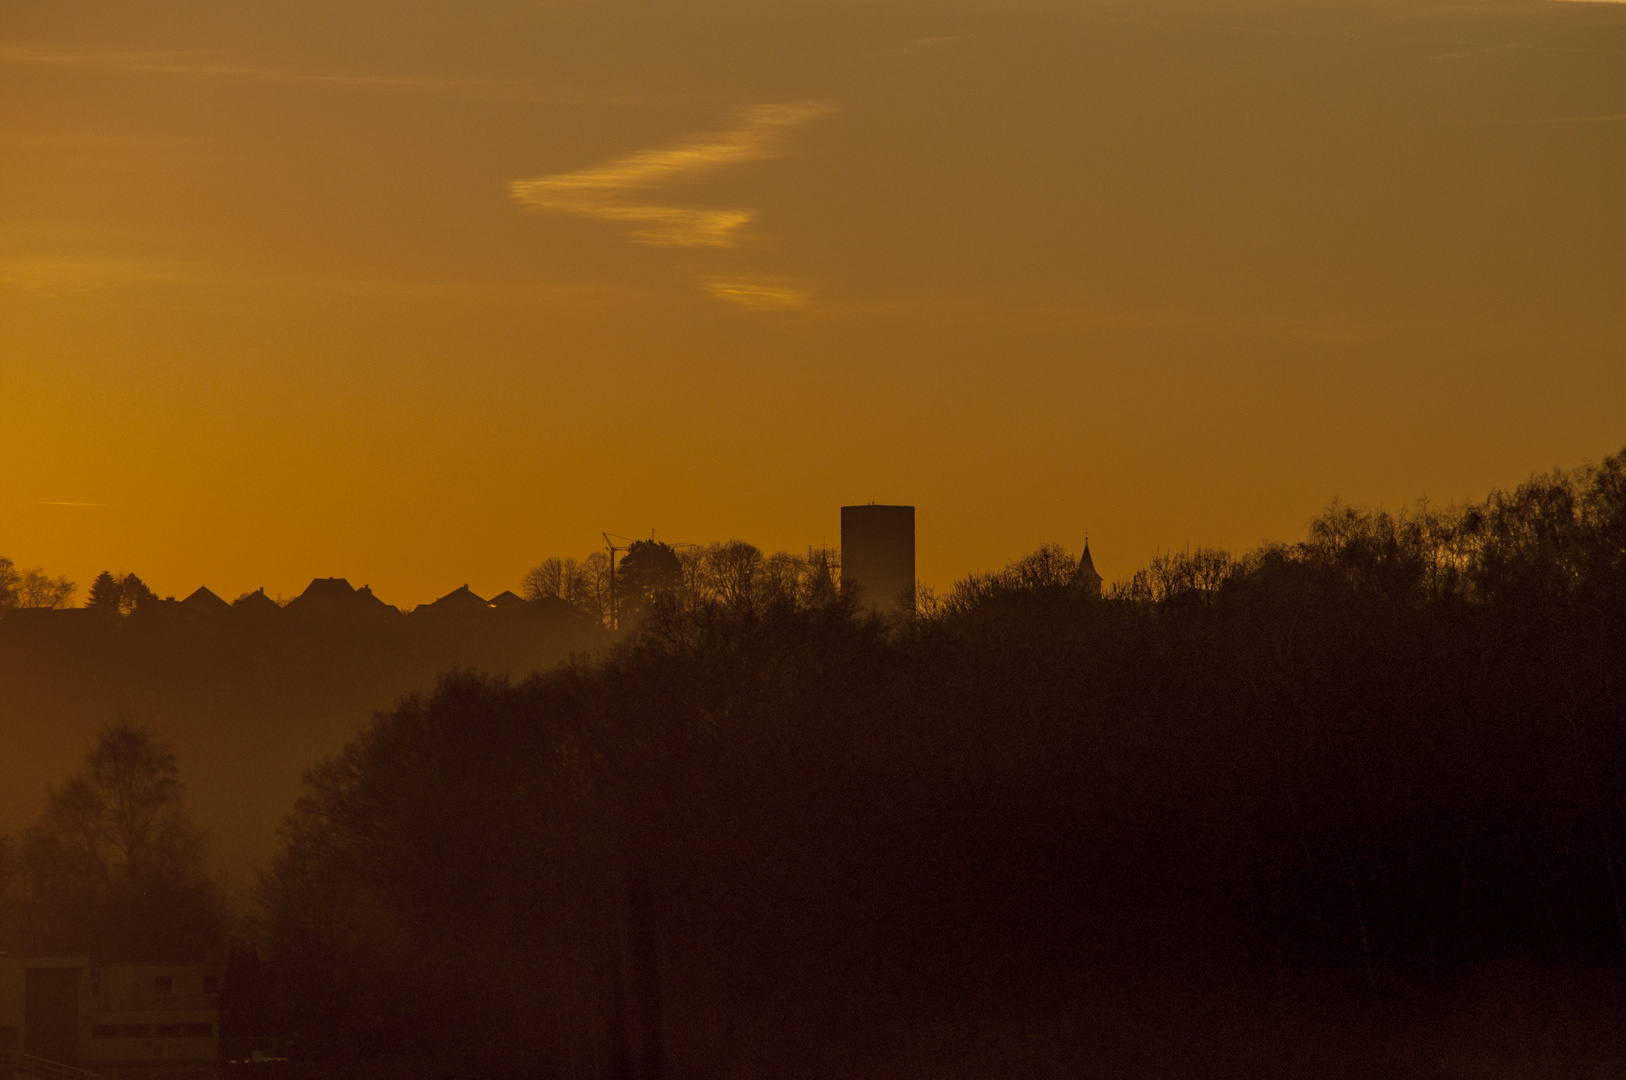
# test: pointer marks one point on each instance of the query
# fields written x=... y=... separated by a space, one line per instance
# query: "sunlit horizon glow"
x=421 y=297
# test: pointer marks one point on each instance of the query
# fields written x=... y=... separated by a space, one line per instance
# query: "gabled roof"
x=323 y=592
x=366 y=601
x=333 y=598
x=547 y=608
x=459 y=601
x=256 y=603
x=205 y=602
x=508 y=600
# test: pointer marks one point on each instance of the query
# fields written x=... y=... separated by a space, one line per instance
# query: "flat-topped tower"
x=878 y=555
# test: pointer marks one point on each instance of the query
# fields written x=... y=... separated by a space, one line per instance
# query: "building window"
x=211 y=984
x=169 y=1031
x=132 y=1031
x=200 y=1031
x=163 y=985
x=104 y=1031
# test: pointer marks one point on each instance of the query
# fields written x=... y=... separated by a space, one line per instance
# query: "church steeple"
x=1085 y=575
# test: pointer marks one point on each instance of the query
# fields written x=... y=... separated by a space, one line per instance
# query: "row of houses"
x=336 y=598
x=331 y=600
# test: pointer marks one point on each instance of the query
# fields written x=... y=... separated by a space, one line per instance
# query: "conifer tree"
x=105 y=594
x=133 y=592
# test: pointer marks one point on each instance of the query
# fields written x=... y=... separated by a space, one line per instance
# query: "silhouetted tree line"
x=117 y=595
x=733 y=573
x=766 y=829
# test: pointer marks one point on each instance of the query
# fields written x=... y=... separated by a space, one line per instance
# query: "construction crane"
x=611 y=545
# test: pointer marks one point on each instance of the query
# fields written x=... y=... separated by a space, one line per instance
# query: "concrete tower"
x=878 y=555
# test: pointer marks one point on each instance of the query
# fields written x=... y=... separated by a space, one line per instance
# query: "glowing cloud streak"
x=205 y=65
x=609 y=192
x=79 y=275
x=760 y=297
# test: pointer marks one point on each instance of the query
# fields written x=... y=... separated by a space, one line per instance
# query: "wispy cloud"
x=217 y=65
x=916 y=46
x=759 y=297
x=1488 y=49
x=83 y=274
x=1609 y=118
x=613 y=191
x=70 y=143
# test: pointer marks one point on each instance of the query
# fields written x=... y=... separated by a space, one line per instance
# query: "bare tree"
x=695 y=579
x=547 y=580
x=9 y=577
x=122 y=811
x=575 y=583
x=565 y=579
x=928 y=605
x=733 y=569
x=32 y=588
x=780 y=581
x=36 y=590
x=596 y=586
x=116 y=866
x=821 y=578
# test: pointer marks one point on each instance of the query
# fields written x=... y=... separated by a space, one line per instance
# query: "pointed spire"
x=1087 y=576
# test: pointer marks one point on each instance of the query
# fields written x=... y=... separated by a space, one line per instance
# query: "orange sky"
x=420 y=293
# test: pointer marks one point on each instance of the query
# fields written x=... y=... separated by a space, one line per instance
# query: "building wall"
x=152 y=1014
x=878 y=555
x=11 y=1005
x=68 y=1011
x=41 y=1001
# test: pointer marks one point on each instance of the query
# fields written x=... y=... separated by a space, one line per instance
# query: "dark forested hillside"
x=772 y=835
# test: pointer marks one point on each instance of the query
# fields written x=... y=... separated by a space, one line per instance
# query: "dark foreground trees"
x=114 y=868
x=777 y=833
